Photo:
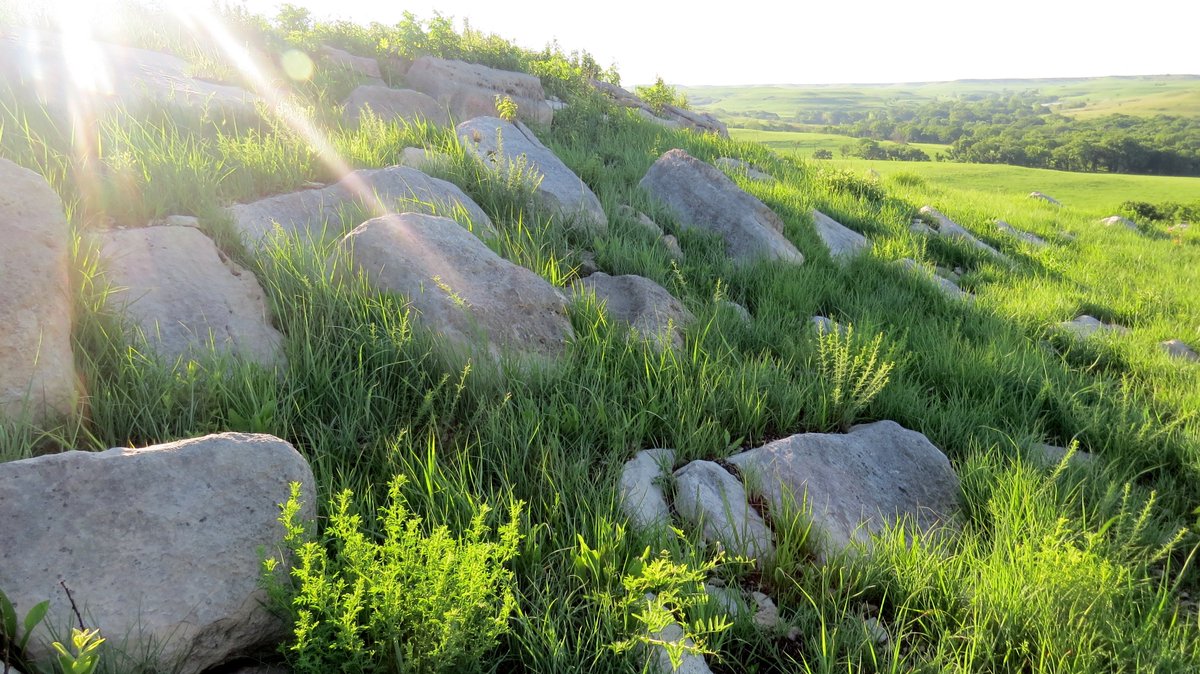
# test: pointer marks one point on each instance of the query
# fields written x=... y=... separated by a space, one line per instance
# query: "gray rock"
x=1024 y=236
x=654 y=313
x=708 y=497
x=459 y=288
x=394 y=104
x=855 y=483
x=1179 y=349
x=841 y=241
x=502 y=146
x=37 y=365
x=919 y=227
x=359 y=65
x=727 y=599
x=642 y=497
x=159 y=546
x=948 y=287
x=1118 y=220
x=737 y=166
x=315 y=214
x=184 y=298
x=641 y=219
x=949 y=229
x=876 y=631
x=1052 y=455
x=1044 y=197
x=124 y=77
x=701 y=196
x=660 y=660
x=824 y=324
x=672 y=245
x=670 y=116
x=469 y=90
x=742 y=312
x=422 y=159
x=587 y=264
x=181 y=221
x=766 y=614
x=1084 y=326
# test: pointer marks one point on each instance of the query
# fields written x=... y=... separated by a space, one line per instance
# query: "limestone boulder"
x=701 y=196
x=1052 y=455
x=1084 y=326
x=1177 y=348
x=648 y=308
x=671 y=243
x=1027 y=237
x=670 y=116
x=37 y=366
x=642 y=497
x=842 y=242
x=712 y=500
x=391 y=105
x=317 y=213
x=460 y=289
x=947 y=228
x=1045 y=197
x=739 y=167
x=344 y=60
x=184 y=297
x=469 y=89
x=946 y=286
x=736 y=309
x=1118 y=220
x=422 y=159
x=159 y=546
x=856 y=483
x=504 y=147
x=640 y=219
x=660 y=659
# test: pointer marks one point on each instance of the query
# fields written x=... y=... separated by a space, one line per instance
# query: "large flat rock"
x=470 y=89
x=315 y=214
x=856 y=483
x=703 y=197
x=185 y=298
x=654 y=313
x=460 y=289
x=501 y=145
x=37 y=366
x=390 y=105
x=159 y=546
x=711 y=499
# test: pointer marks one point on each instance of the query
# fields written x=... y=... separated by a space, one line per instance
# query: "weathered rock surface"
x=841 y=241
x=1052 y=455
x=315 y=213
x=641 y=219
x=1179 y=349
x=1118 y=220
x=948 y=287
x=1044 y=197
x=825 y=324
x=738 y=310
x=660 y=660
x=461 y=290
x=653 y=312
x=1024 y=236
x=670 y=116
x=421 y=159
x=642 y=497
x=500 y=144
x=359 y=65
x=391 y=104
x=184 y=298
x=469 y=90
x=732 y=165
x=708 y=497
x=117 y=76
x=37 y=366
x=159 y=546
x=1084 y=326
x=856 y=483
x=672 y=245
x=952 y=230
x=703 y=197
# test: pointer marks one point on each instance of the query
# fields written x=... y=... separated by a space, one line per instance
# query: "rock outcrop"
x=159 y=546
x=184 y=298
x=949 y=229
x=703 y=197
x=649 y=309
x=394 y=104
x=316 y=213
x=470 y=90
x=505 y=147
x=460 y=289
x=37 y=366
x=948 y=287
x=856 y=483
x=642 y=498
x=842 y=242
x=1084 y=326
x=712 y=500
x=669 y=116
x=1045 y=197
x=344 y=60
x=1027 y=237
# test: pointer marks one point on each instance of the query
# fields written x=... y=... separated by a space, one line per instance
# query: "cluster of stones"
x=850 y=486
x=669 y=116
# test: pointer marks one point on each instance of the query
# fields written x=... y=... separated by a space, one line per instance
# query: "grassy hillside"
x=1067 y=568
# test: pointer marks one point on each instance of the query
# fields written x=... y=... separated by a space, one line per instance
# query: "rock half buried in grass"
x=1118 y=220
x=470 y=89
x=947 y=228
x=1084 y=326
x=1045 y=197
x=1024 y=236
x=461 y=290
x=159 y=546
x=317 y=213
x=948 y=287
x=390 y=105
x=856 y=483
x=752 y=172
x=708 y=497
x=185 y=298
x=841 y=241
x=37 y=365
x=653 y=313
x=1179 y=349
x=703 y=197
x=505 y=147
x=642 y=497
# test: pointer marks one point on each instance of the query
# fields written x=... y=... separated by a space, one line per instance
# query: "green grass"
x=802 y=144
x=1055 y=569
